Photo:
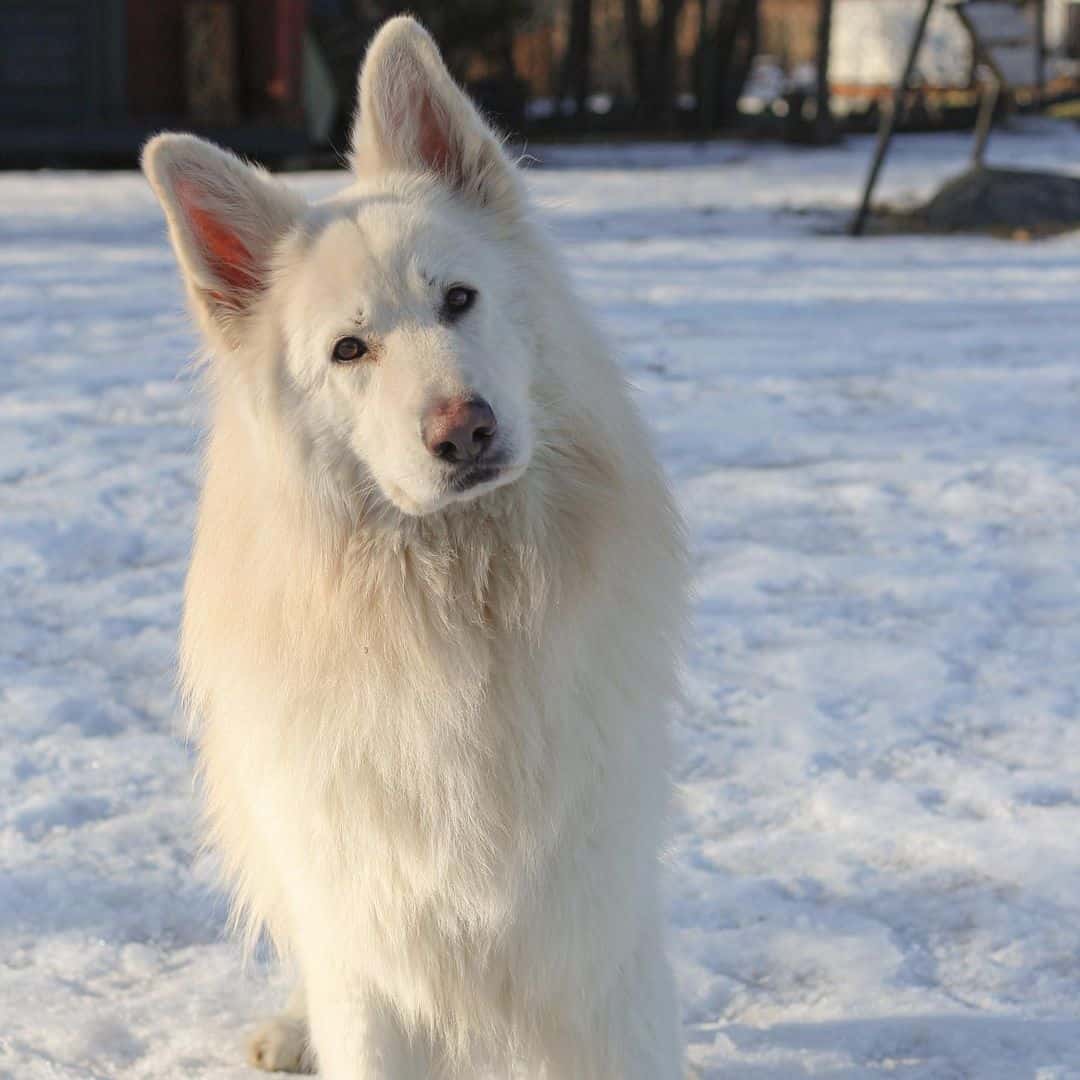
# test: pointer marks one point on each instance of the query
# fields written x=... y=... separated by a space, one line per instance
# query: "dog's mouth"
x=473 y=480
x=475 y=475
x=460 y=485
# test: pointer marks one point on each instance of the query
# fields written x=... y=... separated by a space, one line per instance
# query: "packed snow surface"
x=876 y=859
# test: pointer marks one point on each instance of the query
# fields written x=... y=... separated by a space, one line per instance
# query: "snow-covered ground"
x=876 y=868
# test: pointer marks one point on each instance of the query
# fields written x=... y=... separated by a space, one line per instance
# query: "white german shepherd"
x=433 y=609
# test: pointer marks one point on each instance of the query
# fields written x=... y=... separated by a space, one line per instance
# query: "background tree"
x=478 y=39
x=577 y=64
x=666 y=65
x=640 y=61
x=734 y=44
x=653 y=60
x=728 y=32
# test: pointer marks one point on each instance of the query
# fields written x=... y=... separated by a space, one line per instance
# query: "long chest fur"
x=399 y=712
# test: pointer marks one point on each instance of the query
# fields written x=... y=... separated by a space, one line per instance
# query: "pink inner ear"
x=227 y=256
x=434 y=143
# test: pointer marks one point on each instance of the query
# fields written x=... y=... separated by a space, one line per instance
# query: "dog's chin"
x=460 y=487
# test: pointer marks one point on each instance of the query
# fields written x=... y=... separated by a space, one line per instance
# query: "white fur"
x=431 y=725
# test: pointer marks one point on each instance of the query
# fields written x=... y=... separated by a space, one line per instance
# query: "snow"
x=876 y=867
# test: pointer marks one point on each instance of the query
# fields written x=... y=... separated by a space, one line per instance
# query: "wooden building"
x=92 y=78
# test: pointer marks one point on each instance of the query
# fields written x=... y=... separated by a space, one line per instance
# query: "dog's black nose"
x=459 y=430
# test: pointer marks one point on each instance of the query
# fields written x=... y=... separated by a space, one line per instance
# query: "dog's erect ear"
x=225 y=217
x=412 y=116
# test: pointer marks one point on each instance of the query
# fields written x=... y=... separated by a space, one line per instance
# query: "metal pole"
x=823 y=118
x=888 y=121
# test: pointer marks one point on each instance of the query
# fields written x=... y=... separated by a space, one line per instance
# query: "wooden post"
x=823 y=119
x=888 y=121
x=985 y=121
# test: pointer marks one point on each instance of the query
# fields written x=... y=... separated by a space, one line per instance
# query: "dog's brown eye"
x=458 y=300
x=347 y=350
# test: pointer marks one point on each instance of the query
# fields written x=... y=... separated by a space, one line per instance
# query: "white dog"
x=433 y=609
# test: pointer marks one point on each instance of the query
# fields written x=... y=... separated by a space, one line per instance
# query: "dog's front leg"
x=357 y=1036
x=633 y=1034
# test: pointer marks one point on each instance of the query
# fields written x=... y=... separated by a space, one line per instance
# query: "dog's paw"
x=280 y=1044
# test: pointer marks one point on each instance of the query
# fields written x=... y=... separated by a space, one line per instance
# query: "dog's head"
x=384 y=319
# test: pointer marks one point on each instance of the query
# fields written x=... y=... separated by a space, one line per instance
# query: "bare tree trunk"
x=639 y=54
x=737 y=33
x=823 y=128
x=666 y=60
x=705 y=70
x=576 y=74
